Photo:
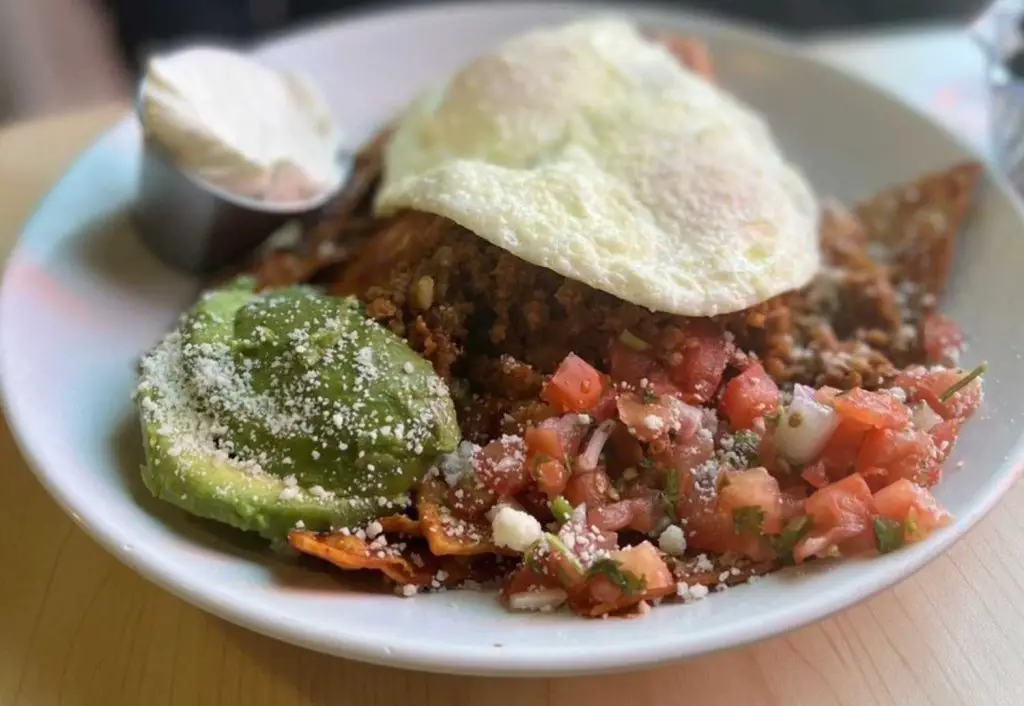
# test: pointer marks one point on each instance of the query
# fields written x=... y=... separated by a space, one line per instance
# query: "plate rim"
x=499 y=663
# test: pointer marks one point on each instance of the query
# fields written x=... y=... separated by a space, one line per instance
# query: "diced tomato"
x=647 y=513
x=904 y=501
x=895 y=454
x=696 y=359
x=749 y=396
x=716 y=532
x=552 y=476
x=679 y=460
x=501 y=466
x=575 y=387
x=840 y=515
x=526 y=579
x=839 y=456
x=564 y=569
x=557 y=437
x=640 y=513
x=922 y=385
x=792 y=502
x=588 y=488
x=826 y=394
x=874 y=409
x=686 y=454
x=648 y=508
x=944 y=435
x=606 y=406
x=654 y=419
x=752 y=488
x=942 y=339
x=470 y=498
x=644 y=562
x=645 y=420
x=641 y=562
x=631 y=366
x=816 y=474
x=543 y=441
x=613 y=517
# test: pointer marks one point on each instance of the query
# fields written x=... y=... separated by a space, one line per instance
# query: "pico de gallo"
x=646 y=470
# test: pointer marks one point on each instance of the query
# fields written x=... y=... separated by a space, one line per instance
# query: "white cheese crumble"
x=689 y=594
x=515 y=529
x=672 y=541
x=654 y=422
x=704 y=564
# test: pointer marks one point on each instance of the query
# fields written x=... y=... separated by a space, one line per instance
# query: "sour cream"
x=246 y=128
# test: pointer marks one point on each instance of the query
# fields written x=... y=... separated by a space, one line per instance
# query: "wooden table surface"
x=77 y=627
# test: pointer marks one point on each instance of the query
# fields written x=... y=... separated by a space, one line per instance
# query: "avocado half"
x=288 y=409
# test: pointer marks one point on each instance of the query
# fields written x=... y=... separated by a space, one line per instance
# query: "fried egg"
x=590 y=150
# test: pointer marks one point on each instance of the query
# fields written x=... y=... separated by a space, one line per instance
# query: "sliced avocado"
x=268 y=411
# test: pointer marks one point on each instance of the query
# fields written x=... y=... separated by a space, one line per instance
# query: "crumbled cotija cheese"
x=515 y=529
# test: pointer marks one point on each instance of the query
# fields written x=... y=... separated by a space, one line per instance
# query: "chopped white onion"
x=591 y=455
x=544 y=599
x=814 y=424
x=803 y=392
x=925 y=417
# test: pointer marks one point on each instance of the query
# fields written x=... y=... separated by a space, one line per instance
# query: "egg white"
x=592 y=151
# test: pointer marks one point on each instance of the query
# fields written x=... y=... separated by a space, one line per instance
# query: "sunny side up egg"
x=590 y=150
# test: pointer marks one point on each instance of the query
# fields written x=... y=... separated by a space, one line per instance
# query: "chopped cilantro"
x=631 y=340
x=792 y=533
x=627 y=582
x=555 y=543
x=561 y=509
x=531 y=559
x=648 y=396
x=963 y=382
x=749 y=518
x=746 y=445
x=668 y=504
x=647 y=464
x=888 y=534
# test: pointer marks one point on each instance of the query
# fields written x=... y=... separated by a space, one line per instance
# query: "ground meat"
x=493 y=325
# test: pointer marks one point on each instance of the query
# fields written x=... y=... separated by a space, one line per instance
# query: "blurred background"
x=58 y=55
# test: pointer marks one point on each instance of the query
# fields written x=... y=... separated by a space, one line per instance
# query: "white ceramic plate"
x=82 y=299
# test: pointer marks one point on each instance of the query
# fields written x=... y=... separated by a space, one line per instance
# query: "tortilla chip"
x=401 y=524
x=918 y=223
x=401 y=238
x=445 y=533
x=725 y=570
x=405 y=563
x=352 y=554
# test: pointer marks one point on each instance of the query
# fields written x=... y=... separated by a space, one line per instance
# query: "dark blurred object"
x=143 y=23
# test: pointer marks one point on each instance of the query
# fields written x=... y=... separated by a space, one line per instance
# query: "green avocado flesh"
x=288 y=409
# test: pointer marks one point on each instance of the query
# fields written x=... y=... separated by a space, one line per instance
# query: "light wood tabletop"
x=77 y=627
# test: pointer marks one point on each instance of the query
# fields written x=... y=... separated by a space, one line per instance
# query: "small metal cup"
x=198 y=227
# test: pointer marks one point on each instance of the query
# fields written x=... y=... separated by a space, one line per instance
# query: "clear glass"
x=997 y=31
